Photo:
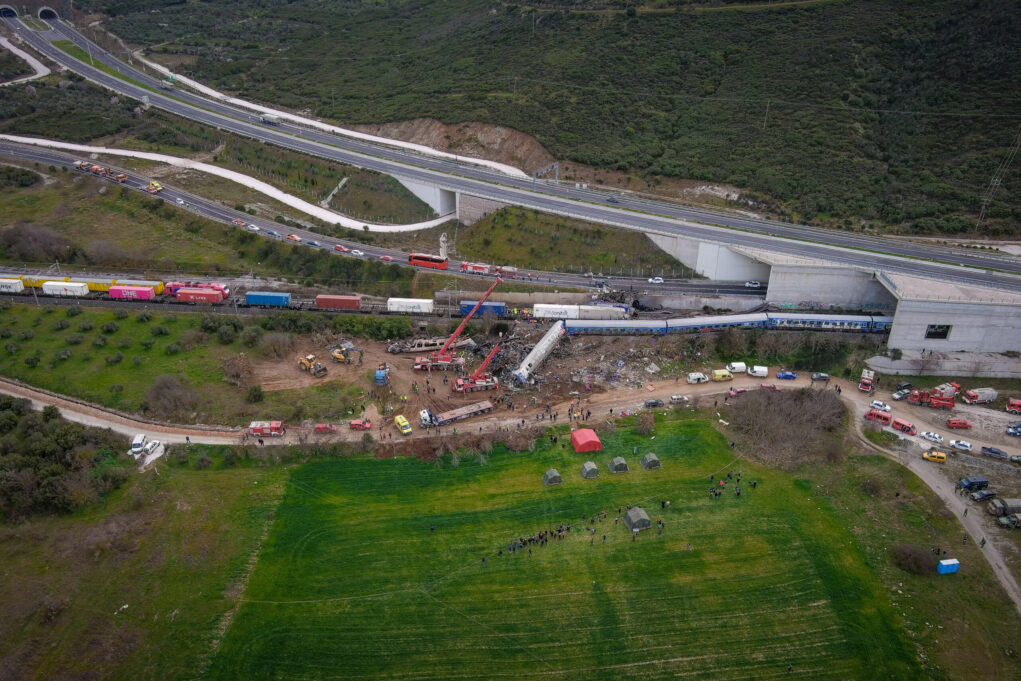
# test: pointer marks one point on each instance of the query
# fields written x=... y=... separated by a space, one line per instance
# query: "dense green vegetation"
x=73 y=110
x=875 y=111
x=49 y=464
x=12 y=67
x=16 y=177
x=187 y=367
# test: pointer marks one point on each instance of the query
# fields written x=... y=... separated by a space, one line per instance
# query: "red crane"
x=479 y=379
x=442 y=358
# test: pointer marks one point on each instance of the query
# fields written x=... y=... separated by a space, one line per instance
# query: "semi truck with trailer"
x=428 y=419
x=1002 y=507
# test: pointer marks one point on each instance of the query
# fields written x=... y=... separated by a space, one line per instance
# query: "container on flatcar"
x=489 y=307
x=157 y=286
x=268 y=298
x=421 y=305
x=68 y=289
x=332 y=302
x=199 y=295
x=11 y=286
x=132 y=292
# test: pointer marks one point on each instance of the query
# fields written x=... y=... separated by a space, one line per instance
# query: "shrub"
x=174 y=349
x=125 y=343
x=148 y=343
x=144 y=316
x=896 y=354
x=914 y=559
x=12 y=348
x=61 y=324
x=73 y=311
x=6 y=333
x=85 y=325
x=137 y=361
x=99 y=341
x=871 y=487
x=646 y=424
x=202 y=461
x=110 y=327
x=276 y=344
x=160 y=330
x=25 y=335
x=32 y=362
x=226 y=334
x=250 y=336
x=115 y=358
x=254 y=394
x=120 y=314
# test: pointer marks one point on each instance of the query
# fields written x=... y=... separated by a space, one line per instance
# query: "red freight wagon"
x=132 y=292
x=339 y=302
x=199 y=295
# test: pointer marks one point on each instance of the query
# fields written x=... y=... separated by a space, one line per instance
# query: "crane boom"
x=442 y=352
x=481 y=371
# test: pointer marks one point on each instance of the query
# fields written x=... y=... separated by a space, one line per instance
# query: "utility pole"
x=997 y=179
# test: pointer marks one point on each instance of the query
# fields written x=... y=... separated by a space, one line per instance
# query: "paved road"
x=215 y=210
x=630 y=213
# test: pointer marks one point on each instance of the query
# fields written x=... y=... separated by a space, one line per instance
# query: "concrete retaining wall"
x=809 y=287
x=471 y=209
x=975 y=326
x=977 y=364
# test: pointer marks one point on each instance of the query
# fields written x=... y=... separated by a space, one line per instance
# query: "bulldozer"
x=308 y=363
x=345 y=354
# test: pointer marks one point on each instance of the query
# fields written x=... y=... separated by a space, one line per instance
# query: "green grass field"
x=351 y=583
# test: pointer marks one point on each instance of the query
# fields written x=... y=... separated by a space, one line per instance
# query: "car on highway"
x=935 y=455
x=341 y=249
x=655 y=280
x=880 y=405
x=239 y=222
x=773 y=387
x=652 y=404
x=901 y=394
x=753 y=284
x=962 y=445
x=386 y=258
x=982 y=495
x=994 y=453
x=613 y=199
x=254 y=228
x=786 y=375
x=361 y=424
x=313 y=244
x=931 y=436
x=357 y=253
x=270 y=232
x=180 y=202
x=600 y=284
x=294 y=237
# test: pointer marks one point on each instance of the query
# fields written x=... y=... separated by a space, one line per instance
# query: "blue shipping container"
x=486 y=308
x=268 y=298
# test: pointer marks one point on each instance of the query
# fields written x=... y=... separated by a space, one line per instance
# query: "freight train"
x=597 y=318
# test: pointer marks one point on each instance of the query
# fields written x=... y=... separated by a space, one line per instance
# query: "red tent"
x=586 y=440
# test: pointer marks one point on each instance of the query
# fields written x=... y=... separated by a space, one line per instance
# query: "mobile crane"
x=443 y=359
x=479 y=379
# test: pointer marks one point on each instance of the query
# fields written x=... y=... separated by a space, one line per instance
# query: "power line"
x=997 y=178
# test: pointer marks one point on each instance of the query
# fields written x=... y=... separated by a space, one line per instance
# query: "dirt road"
x=600 y=404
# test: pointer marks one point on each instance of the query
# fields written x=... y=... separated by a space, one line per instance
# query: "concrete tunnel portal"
x=48 y=13
x=7 y=12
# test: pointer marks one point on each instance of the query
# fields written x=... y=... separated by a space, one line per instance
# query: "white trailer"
x=70 y=289
x=272 y=119
x=545 y=311
x=601 y=312
x=11 y=286
x=422 y=305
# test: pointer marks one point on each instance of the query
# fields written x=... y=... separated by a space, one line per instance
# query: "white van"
x=736 y=367
x=760 y=372
x=138 y=444
x=697 y=378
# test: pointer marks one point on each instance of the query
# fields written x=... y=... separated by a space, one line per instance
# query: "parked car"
x=786 y=375
x=819 y=376
x=678 y=399
x=325 y=428
x=652 y=404
x=386 y=258
x=956 y=422
x=905 y=385
x=973 y=483
x=769 y=386
x=293 y=237
x=1015 y=458
x=150 y=447
x=734 y=392
x=881 y=406
x=901 y=394
x=962 y=445
x=361 y=424
x=935 y=455
x=753 y=284
x=994 y=453
x=656 y=280
x=341 y=249
x=1016 y=432
x=982 y=495
x=931 y=436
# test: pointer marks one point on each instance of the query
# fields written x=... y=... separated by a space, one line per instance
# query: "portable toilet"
x=947 y=566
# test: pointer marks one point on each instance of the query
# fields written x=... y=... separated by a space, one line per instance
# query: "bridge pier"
x=471 y=209
x=443 y=201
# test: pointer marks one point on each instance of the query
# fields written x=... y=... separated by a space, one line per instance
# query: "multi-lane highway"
x=214 y=210
x=631 y=213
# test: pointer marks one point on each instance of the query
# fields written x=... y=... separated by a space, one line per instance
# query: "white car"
x=881 y=406
x=932 y=437
x=254 y=228
x=753 y=284
x=357 y=253
x=180 y=202
x=961 y=444
x=150 y=447
x=656 y=280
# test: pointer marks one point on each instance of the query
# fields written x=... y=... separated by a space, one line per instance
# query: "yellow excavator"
x=308 y=363
x=345 y=354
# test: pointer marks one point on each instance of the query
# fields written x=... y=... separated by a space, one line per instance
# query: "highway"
x=638 y=214
x=215 y=210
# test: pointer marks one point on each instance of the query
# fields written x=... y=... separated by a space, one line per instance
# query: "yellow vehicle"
x=722 y=375
x=308 y=363
x=935 y=455
x=402 y=425
x=154 y=187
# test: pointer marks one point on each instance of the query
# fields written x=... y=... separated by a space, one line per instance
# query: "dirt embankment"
x=506 y=145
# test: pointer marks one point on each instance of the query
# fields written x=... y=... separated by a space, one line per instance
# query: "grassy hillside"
x=884 y=111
